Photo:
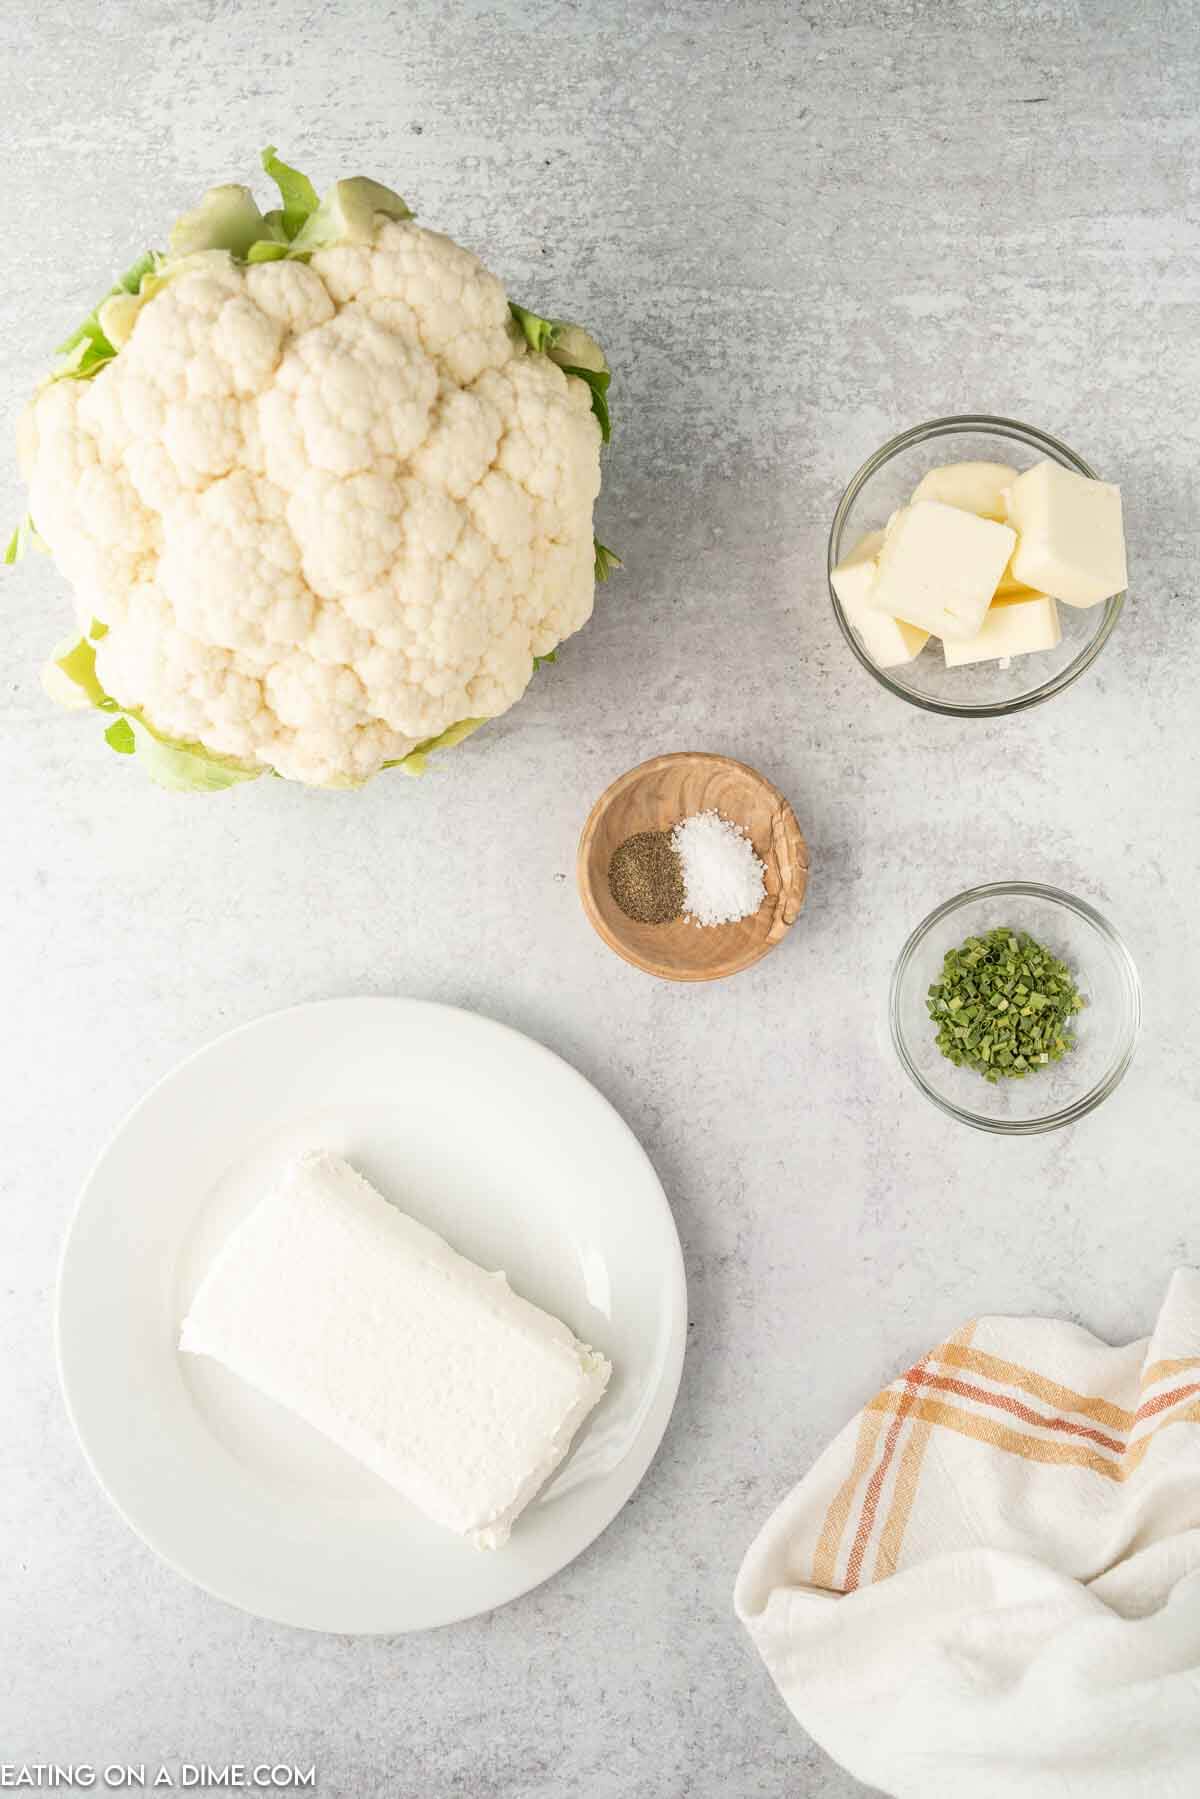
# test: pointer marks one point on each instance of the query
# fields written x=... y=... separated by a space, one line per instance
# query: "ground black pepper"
x=645 y=877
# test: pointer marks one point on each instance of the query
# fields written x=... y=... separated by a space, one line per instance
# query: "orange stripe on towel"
x=1161 y=1370
x=908 y=1475
x=866 y=1523
x=1038 y=1386
x=824 y=1568
x=1064 y=1451
x=1150 y=1408
x=1005 y=1402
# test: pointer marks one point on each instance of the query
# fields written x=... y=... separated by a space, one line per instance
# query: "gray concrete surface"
x=798 y=229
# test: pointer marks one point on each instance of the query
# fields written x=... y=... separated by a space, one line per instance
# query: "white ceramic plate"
x=479 y=1133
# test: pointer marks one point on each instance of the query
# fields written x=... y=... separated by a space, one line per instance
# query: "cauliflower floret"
x=325 y=511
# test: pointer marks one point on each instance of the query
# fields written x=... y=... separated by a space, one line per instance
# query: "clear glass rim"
x=1123 y=1056
x=956 y=425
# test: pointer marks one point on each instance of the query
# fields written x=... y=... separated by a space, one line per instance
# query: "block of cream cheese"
x=887 y=641
x=1071 y=541
x=939 y=567
x=429 y=1370
x=1011 y=628
x=977 y=487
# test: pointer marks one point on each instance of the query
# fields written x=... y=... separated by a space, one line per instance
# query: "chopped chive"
x=1002 y=1005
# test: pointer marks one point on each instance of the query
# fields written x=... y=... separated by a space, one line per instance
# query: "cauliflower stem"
x=323 y=492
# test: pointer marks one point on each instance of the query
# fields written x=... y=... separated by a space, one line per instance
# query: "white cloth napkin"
x=988 y=1587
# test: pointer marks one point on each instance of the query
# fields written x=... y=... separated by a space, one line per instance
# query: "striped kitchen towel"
x=988 y=1587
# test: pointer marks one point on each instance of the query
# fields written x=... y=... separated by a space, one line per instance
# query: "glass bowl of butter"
x=977 y=565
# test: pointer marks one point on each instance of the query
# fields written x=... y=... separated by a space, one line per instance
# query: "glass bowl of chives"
x=885 y=481
x=1069 y=1069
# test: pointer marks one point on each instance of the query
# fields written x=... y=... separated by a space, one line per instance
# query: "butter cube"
x=1015 y=595
x=1013 y=628
x=1071 y=539
x=939 y=568
x=976 y=487
x=887 y=641
x=1011 y=589
x=854 y=576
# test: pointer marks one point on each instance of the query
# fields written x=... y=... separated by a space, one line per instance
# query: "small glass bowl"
x=1106 y=1031
x=978 y=689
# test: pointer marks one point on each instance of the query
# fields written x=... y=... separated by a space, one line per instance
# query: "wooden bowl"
x=653 y=797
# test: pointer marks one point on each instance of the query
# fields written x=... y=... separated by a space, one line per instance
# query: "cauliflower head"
x=323 y=496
